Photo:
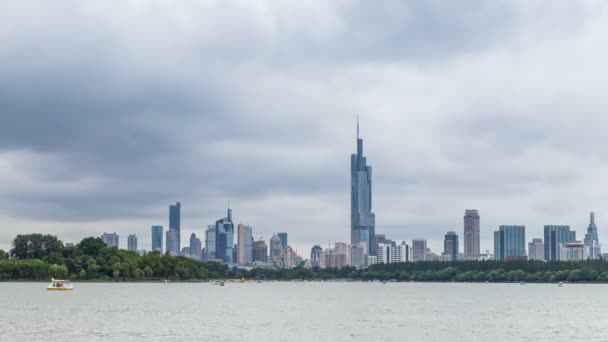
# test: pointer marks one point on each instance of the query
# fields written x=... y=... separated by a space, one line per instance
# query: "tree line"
x=39 y=257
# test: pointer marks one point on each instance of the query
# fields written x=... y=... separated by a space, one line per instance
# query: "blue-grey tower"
x=362 y=220
x=591 y=239
x=224 y=235
x=174 y=223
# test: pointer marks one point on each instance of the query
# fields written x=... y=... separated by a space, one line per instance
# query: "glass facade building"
x=450 y=246
x=554 y=237
x=175 y=222
x=363 y=221
x=157 y=238
x=510 y=243
x=283 y=237
x=224 y=238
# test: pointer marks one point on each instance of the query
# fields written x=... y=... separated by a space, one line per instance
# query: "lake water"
x=303 y=312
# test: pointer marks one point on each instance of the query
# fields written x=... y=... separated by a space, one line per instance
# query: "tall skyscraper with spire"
x=362 y=220
x=591 y=239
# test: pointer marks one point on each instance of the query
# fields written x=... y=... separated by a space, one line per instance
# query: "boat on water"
x=560 y=284
x=59 y=285
x=218 y=283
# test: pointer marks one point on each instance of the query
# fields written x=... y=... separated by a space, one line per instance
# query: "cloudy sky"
x=112 y=110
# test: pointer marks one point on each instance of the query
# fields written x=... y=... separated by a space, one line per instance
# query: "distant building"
x=245 y=249
x=283 y=237
x=235 y=253
x=172 y=239
x=389 y=254
x=69 y=244
x=510 y=243
x=357 y=255
x=371 y=260
x=336 y=257
x=196 y=248
x=554 y=237
x=260 y=251
x=111 y=240
x=573 y=251
x=132 y=243
x=591 y=240
x=315 y=256
x=224 y=238
x=450 y=246
x=210 y=243
x=536 y=250
x=175 y=223
x=276 y=246
x=288 y=258
x=185 y=251
x=157 y=238
x=471 y=234
x=362 y=219
x=419 y=250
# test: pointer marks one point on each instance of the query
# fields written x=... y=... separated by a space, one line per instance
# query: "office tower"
x=111 y=240
x=419 y=250
x=592 y=242
x=450 y=246
x=471 y=234
x=157 y=238
x=403 y=252
x=356 y=255
x=276 y=245
x=224 y=238
x=175 y=222
x=235 y=253
x=536 y=250
x=287 y=258
x=195 y=249
x=554 y=237
x=210 y=243
x=132 y=243
x=244 y=238
x=260 y=251
x=283 y=237
x=171 y=239
x=315 y=255
x=510 y=243
x=573 y=251
x=334 y=258
x=362 y=220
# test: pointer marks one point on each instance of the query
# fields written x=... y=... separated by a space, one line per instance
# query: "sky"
x=112 y=110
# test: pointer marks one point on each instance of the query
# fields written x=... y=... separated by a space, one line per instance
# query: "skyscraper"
x=554 y=237
x=195 y=246
x=157 y=238
x=450 y=246
x=471 y=234
x=283 y=237
x=362 y=220
x=111 y=240
x=244 y=238
x=260 y=251
x=175 y=222
x=276 y=245
x=132 y=243
x=591 y=240
x=210 y=243
x=172 y=242
x=536 y=250
x=224 y=238
x=510 y=243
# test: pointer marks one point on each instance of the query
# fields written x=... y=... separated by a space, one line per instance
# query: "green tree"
x=35 y=246
x=91 y=246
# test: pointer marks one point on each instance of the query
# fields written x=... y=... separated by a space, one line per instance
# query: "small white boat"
x=218 y=283
x=522 y=283
x=560 y=284
x=59 y=285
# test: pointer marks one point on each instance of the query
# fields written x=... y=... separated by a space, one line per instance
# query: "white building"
x=111 y=240
x=536 y=250
x=389 y=254
x=132 y=243
x=573 y=251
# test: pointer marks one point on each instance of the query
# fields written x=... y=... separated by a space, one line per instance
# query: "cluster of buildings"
x=366 y=247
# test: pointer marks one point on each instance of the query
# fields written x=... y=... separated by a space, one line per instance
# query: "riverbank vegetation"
x=39 y=257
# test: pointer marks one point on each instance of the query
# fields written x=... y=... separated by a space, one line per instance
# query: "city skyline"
x=467 y=114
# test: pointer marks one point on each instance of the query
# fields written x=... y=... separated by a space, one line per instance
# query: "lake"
x=281 y=311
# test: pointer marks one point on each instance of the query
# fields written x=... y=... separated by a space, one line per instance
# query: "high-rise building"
x=195 y=250
x=334 y=258
x=157 y=238
x=172 y=239
x=573 y=251
x=224 y=235
x=471 y=234
x=210 y=243
x=175 y=222
x=260 y=251
x=592 y=242
x=276 y=246
x=554 y=237
x=536 y=250
x=244 y=238
x=283 y=237
x=315 y=256
x=132 y=243
x=356 y=255
x=419 y=250
x=390 y=254
x=450 y=246
x=363 y=221
x=111 y=240
x=287 y=258
x=510 y=243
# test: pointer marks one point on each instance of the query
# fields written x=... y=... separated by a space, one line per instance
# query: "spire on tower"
x=592 y=218
x=357 y=127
